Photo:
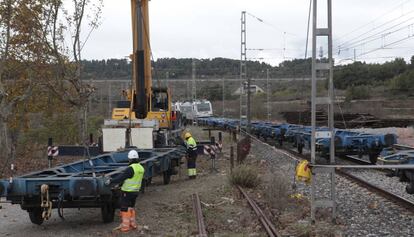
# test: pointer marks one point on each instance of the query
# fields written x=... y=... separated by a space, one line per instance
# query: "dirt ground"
x=163 y=210
x=166 y=210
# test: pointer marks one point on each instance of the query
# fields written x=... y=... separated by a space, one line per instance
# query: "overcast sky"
x=211 y=28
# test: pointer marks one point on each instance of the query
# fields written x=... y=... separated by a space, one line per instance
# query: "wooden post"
x=231 y=159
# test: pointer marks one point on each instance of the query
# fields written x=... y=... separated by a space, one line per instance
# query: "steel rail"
x=384 y=193
x=397 y=199
x=356 y=160
x=199 y=215
x=264 y=220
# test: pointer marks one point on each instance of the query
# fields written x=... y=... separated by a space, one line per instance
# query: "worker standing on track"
x=191 y=155
x=131 y=180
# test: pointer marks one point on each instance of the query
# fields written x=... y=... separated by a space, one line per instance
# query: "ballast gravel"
x=359 y=211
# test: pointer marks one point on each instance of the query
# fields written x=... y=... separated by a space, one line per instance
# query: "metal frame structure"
x=244 y=97
x=82 y=184
x=193 y=86
x=267 y=96
x=327 y=67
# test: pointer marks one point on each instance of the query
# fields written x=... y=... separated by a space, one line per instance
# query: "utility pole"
x=109 y=98
x=354 y=55
x=267 y=95
x=244 y=97
x=194 y=87
x=223 y=98
x=100 y=99
x=167 y=76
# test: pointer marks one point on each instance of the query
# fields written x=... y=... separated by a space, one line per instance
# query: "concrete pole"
x=267 y=95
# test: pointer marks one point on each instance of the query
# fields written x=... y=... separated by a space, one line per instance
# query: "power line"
x=378 y=17
x=387 y=45
x=350 y=42
x=378 y=35
x=270 y=25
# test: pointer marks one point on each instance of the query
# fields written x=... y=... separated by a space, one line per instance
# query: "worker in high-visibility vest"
x=191 y=155
x=131 y=180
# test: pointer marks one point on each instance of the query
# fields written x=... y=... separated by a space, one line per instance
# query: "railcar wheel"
x=108 y=212
x=402 y=177
x=280 y=142
x=410 y=188
x=389 y=139
x=167 y=176
x=35 y=215
x=373 y=158
x=148 y=181
x=300 y=148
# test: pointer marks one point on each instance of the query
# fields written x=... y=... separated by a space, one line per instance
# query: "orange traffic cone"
x=132 y=222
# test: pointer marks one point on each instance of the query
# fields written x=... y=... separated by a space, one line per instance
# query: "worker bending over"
x=131 y=180
x=191 y=155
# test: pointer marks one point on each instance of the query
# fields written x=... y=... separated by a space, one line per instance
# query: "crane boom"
x=145 y=117
x=141 y=57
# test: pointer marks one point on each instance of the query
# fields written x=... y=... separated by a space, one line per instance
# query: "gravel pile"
x=359 y=212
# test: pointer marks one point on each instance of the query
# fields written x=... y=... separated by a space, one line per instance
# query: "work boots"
x=132 y=222
x=125 y=217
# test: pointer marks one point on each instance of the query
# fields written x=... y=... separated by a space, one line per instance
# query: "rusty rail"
x=199 y=215
x=266 y=223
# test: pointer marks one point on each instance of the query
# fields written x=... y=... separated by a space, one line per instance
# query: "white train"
x=194 y=109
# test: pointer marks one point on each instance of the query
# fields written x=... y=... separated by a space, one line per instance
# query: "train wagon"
x=81 y=184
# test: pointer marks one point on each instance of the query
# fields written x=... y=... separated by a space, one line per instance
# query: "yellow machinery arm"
x=141 y=57
x=145 y=102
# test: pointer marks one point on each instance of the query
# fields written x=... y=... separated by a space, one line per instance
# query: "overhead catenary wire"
x=270 y=25
x=378 y=35
x=369 y=23
x=387 y=45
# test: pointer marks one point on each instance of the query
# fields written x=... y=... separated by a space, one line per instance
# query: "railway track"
x=399 y=200
x=264 y=220
x=201 y=227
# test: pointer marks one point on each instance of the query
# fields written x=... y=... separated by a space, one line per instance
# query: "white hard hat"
x=133 y=154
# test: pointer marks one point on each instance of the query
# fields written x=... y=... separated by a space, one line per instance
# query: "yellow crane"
x=144 y=119
x=145 y=101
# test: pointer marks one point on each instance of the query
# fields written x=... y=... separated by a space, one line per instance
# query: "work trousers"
x=191 y=164
x=128 y=199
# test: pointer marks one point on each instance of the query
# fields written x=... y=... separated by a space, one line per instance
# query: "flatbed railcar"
x=346 y=142
x=381 y=147
x=81 y=184
x=400 y=154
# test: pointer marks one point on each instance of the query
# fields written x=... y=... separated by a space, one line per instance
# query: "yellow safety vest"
x=191 y=143
x=134 y=184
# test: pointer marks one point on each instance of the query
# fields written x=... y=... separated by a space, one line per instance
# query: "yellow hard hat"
x=187 y=135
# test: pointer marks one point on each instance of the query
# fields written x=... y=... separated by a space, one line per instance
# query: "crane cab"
x=159 y=107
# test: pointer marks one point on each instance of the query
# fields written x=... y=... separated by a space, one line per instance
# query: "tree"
x=34 y=60
x=66 y=62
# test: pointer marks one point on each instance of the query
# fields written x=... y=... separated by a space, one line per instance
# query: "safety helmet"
x=133 y=154
x=187 y=135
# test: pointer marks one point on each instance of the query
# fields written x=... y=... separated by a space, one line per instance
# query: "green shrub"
x=403 y=83
x=357 y=93
x=245 y=176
